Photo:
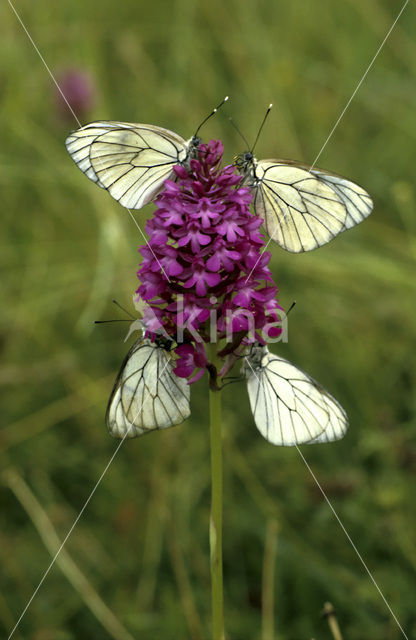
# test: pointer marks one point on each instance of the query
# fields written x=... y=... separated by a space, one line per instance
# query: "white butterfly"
x=290 y=407
x=131 y=161
x=147 y=395
x=301 y=208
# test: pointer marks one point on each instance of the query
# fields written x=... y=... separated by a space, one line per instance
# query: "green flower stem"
x=215 y=529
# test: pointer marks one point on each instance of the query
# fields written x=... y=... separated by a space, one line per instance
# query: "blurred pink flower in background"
x=80 y=92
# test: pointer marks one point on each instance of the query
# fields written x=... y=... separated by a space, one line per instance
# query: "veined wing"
x=303 y=209
x=290 y=407
x=131 y=161
x=79 y=142
x=147 y=395
x=357 y=202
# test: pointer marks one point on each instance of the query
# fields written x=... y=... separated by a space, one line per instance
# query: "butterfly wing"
x=290 y=407
x=357 y=202
x=131 y=161
x=147 y=395
x=303 y=209
x=79 y=142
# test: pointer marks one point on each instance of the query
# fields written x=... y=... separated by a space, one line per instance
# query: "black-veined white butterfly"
x=290 y=407
x=147 y=395
x=302 y=208
x=131 y=161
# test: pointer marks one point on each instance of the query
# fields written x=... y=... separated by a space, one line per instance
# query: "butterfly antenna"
x=290 y=308
x=231 y=381
x=261 y=127
x=242 y=136
x=210 y=115
x=123 y=309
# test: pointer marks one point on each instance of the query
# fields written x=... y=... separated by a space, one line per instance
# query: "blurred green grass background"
x=67 y=249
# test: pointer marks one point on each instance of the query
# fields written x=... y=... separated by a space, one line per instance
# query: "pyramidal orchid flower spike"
x=204 y=276
x=206 y=286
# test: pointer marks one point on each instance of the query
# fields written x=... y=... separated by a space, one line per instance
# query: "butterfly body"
x=246 y=164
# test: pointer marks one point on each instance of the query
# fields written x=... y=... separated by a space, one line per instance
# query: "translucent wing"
x=147 y=395
x=290 y=407
x=131 y=161
x=303 y=209
x=357 y=201
x=78 y=144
